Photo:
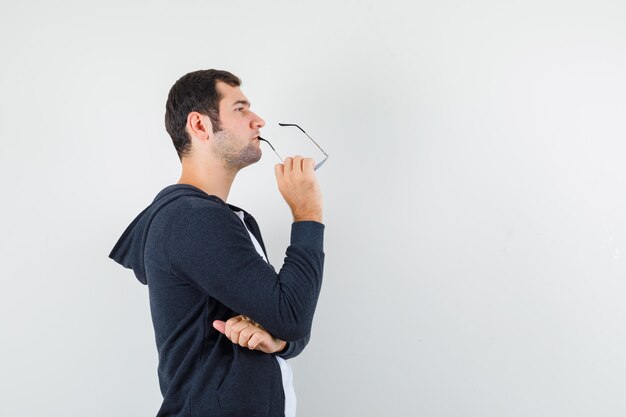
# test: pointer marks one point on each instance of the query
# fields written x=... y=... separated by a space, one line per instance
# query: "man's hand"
x=246 y=333
x=299 y=187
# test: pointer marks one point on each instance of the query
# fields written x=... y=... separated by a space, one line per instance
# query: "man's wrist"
x=281 y=346
x=312 y=217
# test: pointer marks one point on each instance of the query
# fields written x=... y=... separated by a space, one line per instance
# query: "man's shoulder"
x=186 y=197
x=185 y=208
x=191 y=207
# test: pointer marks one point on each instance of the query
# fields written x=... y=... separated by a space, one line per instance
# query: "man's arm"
x=211 y=248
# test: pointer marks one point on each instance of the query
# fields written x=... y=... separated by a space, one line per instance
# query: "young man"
x=224 y=320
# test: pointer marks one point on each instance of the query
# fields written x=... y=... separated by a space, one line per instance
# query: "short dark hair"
x=196 y=91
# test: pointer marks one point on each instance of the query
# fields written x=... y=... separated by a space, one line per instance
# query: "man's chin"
x=251 y=155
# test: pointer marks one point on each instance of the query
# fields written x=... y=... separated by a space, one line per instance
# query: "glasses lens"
x=320 y=164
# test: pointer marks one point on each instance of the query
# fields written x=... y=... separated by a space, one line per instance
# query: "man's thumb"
x=220 y=326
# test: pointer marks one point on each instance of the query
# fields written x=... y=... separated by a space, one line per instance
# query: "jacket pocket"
x=248 y=390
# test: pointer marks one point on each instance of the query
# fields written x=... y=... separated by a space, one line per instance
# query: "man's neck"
x=212 y=181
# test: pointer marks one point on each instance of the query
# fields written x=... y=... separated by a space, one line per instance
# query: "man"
x=224 y=320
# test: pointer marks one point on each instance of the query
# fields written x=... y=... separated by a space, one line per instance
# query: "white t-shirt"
x=285 y=369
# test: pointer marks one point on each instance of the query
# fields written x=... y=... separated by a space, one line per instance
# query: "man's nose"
x=257 y=122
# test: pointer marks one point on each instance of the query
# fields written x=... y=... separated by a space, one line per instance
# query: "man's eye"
x=239 y=109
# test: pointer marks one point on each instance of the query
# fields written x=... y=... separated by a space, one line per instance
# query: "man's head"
x=206 y=110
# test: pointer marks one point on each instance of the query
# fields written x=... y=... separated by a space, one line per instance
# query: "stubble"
x=233 y=155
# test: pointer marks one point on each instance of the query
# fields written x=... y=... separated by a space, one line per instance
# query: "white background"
x=474 y=197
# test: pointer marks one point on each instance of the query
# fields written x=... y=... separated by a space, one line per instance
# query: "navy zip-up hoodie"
x=200 y=265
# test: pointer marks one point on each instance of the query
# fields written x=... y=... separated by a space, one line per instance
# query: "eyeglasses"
x=291 y=124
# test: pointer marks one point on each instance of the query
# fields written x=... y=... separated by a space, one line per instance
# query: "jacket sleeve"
x=293 y=349
x=210 y=248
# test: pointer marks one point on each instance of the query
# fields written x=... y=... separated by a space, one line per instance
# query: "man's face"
x=237 y=142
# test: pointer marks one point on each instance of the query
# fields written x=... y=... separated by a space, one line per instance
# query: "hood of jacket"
x=129 y=249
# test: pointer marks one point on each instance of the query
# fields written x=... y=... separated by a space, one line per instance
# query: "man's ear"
x=199 y=125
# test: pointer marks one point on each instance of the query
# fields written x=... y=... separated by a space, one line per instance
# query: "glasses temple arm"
x=293 y=124
x=266 y=141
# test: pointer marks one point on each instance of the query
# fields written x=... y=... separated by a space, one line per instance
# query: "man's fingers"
x=308 y=165
x=244 y=336
x=279 y=170
x=255 y=340
x=235 y=333
x=294 y=165
x=288 y=165
x=229 y=325
x=297 y=165
x=246 y=333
